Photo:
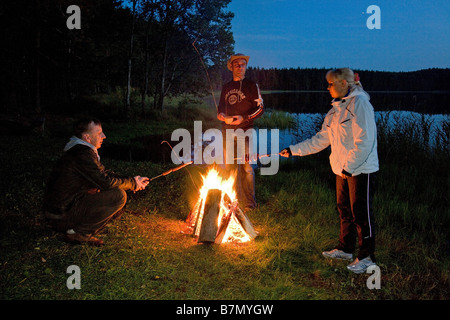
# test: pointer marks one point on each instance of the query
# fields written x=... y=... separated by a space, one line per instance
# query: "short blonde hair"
x=345 y=74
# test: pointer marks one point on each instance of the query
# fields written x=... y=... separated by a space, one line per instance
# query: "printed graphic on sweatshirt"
x=234 y=96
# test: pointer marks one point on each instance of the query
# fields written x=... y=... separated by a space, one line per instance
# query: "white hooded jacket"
x=350 y=129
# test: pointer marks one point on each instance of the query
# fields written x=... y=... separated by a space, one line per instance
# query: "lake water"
x=319 y=101
x=309 y=123
x=309 y=109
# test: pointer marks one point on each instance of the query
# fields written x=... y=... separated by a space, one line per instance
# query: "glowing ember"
x=231 y=223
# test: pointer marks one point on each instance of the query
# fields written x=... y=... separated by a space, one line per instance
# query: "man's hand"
x=236 y=120
x=141 y=182
x=233 y=120
x=221 y=116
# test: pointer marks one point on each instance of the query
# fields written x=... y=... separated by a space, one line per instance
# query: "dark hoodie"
x=241 y=98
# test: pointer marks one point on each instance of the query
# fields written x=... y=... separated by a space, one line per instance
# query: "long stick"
x=192 y=179
x=190 y=162
x=259 y=157
x=172 y=170
x=207 y=73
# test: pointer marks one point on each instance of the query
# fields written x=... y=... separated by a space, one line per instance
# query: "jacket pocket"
x=345 y=131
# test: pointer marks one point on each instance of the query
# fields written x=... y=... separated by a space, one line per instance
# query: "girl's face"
x=338 y=88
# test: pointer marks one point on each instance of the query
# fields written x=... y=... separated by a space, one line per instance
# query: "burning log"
x=216 y=216
x=245 y=223
x=225 y=222
x=209 y=225
x=193 y=215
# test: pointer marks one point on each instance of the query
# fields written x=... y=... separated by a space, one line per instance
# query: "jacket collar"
x=73 y=141
x=337 y=103
x=353 y=92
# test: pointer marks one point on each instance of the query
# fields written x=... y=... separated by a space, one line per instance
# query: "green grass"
x=146 y=255
x=276 y=119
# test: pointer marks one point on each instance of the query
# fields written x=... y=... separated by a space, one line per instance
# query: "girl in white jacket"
x=350 y=129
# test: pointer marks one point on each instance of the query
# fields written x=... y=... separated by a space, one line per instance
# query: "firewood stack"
x=218 y=206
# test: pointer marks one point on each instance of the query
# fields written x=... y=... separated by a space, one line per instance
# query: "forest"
x=146 y=49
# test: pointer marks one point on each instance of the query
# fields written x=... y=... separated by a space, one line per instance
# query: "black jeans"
x=92 y=212
x=354 y=204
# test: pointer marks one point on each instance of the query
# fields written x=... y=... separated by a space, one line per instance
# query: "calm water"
x=308 y=108
x=319 y=101
x=309 y=123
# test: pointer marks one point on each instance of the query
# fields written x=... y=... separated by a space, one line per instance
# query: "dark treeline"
x=314 y=79
x=143 y=49
x=424 y=91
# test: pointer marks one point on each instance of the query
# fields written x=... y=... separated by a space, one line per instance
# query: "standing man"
x=350 y=129
x=240 y=104
x=82 y=196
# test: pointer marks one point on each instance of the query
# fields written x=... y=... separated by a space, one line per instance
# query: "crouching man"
x=82 y=196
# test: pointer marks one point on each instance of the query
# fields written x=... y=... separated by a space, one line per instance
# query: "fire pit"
x=216 y=216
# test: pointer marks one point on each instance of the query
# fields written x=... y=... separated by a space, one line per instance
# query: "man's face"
x=239 y=67
x=94 y=135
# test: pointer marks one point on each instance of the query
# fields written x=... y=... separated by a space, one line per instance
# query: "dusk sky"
x=414 y=34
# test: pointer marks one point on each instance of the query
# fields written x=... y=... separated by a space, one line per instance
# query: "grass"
x=147 y=257
x=276 y=119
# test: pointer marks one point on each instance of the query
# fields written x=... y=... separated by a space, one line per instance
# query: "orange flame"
x=212 y=180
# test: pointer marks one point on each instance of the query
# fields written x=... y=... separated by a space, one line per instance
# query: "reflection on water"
x=151 y=148
x=319 y=101
x=309 y=109
x=309 y=124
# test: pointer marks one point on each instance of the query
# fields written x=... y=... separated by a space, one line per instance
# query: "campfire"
x=216 y=216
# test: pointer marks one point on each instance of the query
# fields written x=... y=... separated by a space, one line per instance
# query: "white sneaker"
x=337 y=254
x=360 y=266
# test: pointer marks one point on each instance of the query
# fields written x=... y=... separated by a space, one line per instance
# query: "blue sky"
x=414 y=34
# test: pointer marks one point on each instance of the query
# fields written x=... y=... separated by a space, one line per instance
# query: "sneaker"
x=360 y=266
x=337 y=254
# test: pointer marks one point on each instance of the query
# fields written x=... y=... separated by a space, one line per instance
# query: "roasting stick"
x=177 y=168
x=190 y=162
x=263 y=156
x=172 y=170
x=268 y=155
